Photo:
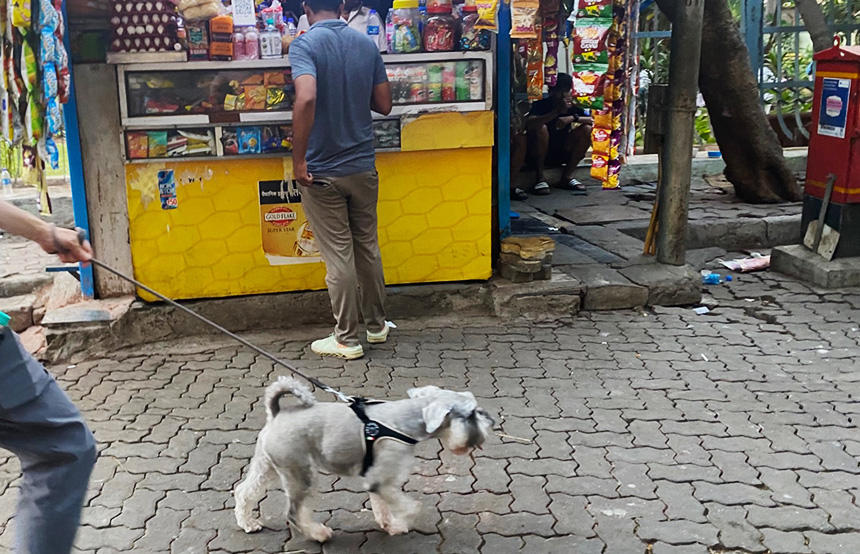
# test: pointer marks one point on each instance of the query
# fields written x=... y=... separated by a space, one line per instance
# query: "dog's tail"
x=282 y=386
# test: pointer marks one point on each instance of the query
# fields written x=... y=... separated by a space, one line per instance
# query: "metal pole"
x=503 y=124
x=76 y=164
x=677 y=163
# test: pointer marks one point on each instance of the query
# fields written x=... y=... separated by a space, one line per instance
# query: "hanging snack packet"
x=21 y=14
x=594 y=8
x=534 y=69
x=600 y=166
x=524 y=18
x=600 y=142
x=487 y=15
x=589 y=41
x=588 y=85
x=550 y=37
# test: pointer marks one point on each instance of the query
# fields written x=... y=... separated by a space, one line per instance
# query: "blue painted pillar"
x=503 y=119
x=76 y=166
x=752 y=22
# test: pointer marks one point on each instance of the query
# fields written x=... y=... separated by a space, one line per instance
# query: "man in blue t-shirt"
x=339 y=78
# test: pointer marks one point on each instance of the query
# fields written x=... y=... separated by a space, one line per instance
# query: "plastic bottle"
x=238 y=45
x=252 y=43
x=292 y=30
x=6 y=182
x=270 y=40
x=403 y=27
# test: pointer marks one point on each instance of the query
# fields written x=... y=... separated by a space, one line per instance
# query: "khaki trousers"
x=342 y=214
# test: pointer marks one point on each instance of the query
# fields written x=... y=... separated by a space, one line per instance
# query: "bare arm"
x=63 y=242
x=303 y=122
x=380 y=100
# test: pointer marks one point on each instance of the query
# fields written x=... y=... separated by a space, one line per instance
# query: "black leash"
x=315 y=382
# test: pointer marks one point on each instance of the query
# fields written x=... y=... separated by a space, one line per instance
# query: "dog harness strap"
x=373 y=431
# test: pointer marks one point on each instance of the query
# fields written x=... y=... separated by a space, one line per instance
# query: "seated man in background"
x=557 y=133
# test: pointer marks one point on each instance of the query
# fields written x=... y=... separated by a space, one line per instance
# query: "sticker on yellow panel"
x=287 y=236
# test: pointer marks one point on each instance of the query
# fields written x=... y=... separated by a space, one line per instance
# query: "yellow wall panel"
x=434 y=219
x=443 y=131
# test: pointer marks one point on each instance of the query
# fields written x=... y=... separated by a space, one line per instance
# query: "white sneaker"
x=380 y=337
x=330 y=347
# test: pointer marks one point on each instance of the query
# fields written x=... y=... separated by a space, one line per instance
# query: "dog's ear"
x=421 y=392
x=434 y=415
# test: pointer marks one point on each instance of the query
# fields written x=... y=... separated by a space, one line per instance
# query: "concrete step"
x=16 y=285
x=20 y=309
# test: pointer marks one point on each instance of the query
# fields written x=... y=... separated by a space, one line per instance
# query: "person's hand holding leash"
x=66 y=244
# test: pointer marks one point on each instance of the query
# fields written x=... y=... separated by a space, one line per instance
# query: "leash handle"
x=82 y=236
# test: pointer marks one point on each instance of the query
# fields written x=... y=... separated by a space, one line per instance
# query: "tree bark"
x=755 y=165
x=815 y=23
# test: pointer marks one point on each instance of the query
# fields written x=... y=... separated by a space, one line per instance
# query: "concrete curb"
x=68 y=337
x=730 y=234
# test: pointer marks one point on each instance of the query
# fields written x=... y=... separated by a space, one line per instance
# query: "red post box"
x=834 y=145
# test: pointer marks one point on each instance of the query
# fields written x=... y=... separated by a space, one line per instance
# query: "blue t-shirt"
x=346 y=66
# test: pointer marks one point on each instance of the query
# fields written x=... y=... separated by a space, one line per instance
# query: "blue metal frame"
x=76 y=166
x=503 y=121
x=751 y=26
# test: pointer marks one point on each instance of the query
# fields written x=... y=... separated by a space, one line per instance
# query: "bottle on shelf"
x=270 y=39
x=252 y=43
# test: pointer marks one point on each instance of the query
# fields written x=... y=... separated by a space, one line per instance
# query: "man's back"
x=346 y=67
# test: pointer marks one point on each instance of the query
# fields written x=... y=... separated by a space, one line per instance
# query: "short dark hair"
x=563 y=82
x=324 y=5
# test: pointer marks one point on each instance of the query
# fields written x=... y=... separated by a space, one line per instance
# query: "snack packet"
x=487 y=15
x=588 y=85
x=600 y=166
x=550 y=38
x=589 y=41
x=534 y=69
x=593 y=9
x=524 y=18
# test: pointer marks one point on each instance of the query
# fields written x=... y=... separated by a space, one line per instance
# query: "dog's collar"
x=373 y=431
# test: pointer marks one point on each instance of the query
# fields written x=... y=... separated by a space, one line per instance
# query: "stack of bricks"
x=525 y=259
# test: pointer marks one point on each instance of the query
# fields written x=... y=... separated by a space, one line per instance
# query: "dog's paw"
x=251 y=525
x=320 y=532
x=396 y=527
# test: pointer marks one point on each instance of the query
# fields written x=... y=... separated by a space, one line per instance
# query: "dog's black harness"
x=373 y=431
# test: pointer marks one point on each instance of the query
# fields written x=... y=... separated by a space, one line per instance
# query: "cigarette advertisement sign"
x=287 y=236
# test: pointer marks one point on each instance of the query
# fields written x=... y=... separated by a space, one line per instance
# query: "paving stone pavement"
x=659 y=431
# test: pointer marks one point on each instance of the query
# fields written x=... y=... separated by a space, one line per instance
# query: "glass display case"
x=264 y=139
x=243 y=108
x=154 y=93
x=170 y=143
x=436 y=82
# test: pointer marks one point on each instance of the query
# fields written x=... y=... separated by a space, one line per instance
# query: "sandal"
x=541 y=188
x=575 y=186
x=519 y=194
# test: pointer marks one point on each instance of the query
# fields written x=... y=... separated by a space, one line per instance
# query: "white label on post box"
x=833 y=115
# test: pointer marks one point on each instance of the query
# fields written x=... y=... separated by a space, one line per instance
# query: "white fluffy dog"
x=299 y=440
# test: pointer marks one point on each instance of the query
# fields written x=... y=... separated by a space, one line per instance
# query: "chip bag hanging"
x=588 y=85
x=589 y=41
x=524 y=19
x=550 y=38
x=594 y=9
x=488 y=18
x=534 y=68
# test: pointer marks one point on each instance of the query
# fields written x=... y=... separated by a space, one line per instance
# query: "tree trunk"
x=750 y=148
x=815 y=23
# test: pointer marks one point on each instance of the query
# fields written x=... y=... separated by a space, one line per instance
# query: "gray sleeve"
x=301 y=61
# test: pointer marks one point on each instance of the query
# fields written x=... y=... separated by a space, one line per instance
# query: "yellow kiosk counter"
x=213 y=209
